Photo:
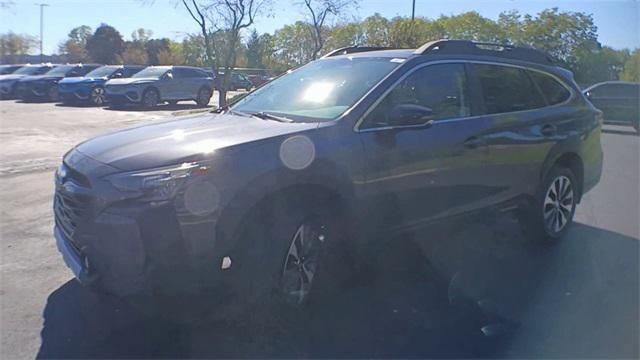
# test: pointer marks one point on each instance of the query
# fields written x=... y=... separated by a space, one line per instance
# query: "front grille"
x=71 y=204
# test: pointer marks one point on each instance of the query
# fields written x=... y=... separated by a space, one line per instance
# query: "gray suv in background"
x=157 y=84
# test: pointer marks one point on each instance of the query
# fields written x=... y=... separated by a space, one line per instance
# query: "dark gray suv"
x=157 y=84
x=252 y=200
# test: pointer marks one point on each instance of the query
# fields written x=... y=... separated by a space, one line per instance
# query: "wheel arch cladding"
x=573 y=162
x=285 y=186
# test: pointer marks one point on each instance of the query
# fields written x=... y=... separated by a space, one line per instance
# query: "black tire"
x=98 y=97
x=546 y=220
x=150 y=98
x=267 y=268
x=204 y=96
x=52 y=94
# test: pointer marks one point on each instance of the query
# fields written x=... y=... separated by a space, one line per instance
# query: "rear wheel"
x=150 y=98
x=204 y=96
x=550 y=215
x=98 y=96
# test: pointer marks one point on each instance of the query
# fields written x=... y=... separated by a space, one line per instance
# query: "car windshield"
x=60 y=70
x=31 y=70
x=102 y=71
x=320 y=91
x=151 y=72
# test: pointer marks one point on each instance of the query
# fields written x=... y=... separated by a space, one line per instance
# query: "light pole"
x=42 y=5
x=413 y=10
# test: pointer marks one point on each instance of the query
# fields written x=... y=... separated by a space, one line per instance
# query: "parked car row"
x=115 y=84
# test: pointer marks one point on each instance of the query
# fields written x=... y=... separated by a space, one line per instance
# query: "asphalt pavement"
x=472 y=287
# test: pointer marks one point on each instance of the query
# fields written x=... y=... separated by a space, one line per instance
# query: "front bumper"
x=33 y=91
x=73 y=93
x=123 y=94
x=126 y=247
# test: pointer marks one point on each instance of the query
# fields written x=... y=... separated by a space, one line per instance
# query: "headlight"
x=156 y=184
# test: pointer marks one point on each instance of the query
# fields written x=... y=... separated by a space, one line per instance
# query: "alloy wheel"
x=98 y=96
x=558 y=204
x=150 y=98
x=302 y=260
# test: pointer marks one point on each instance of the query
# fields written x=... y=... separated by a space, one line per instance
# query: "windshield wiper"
x=267 y=116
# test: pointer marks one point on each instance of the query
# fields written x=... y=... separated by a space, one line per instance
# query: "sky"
x=618 y=21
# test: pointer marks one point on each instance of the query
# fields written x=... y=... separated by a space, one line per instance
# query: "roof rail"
x=465 y=47
x=354 y=49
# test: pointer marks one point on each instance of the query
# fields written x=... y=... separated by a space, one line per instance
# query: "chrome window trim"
x=356 y=127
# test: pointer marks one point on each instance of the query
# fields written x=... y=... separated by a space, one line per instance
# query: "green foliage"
x=631 y=70
x=106 y=45
x=13 y=45
x=75 y=47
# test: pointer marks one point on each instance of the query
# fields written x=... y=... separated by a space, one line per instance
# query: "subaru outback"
x=157 y=84
x=365 y=141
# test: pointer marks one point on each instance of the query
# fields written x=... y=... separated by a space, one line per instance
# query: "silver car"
x=157 y=84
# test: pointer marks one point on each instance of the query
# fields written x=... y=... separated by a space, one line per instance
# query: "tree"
x=631 y=70
x=141 y=35
x=135 y=53
x=319 y=11
x=13 y=45
x=75 y=47
x=228 y=18
x=254 y=51
x=193 y=50
x=172 y=55
x=294 y=45
x=154 y=47
x=106 y=45
x=376 y=30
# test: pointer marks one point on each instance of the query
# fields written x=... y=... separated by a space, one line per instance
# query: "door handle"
x=473 y=142
x=548 y=130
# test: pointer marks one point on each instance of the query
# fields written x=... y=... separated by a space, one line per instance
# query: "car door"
x=418 y=172
x=169 y=85
x=521 y=131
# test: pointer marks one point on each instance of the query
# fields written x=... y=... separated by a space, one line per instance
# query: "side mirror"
x=117 y=75
x=410 y=115
x=168 y=76
x=588 y=94
x=73 y=74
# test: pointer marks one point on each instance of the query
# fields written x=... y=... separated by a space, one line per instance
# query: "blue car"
x=90 y=88
x=45 y=87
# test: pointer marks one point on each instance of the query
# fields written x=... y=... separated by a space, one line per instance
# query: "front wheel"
x=98 y=96
x=150 y=98
x=293 y=252
x=549 y=216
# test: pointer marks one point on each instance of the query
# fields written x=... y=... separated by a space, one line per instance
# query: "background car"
x=90 y=88
x=240 y=81
x=9 y=82
x=619 y=100
x=45 y=87
x=258 y=80
x=8 y=69
x=157 y=84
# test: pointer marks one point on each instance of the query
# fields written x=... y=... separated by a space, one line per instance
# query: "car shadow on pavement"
x=470 y=288
x=631 y=131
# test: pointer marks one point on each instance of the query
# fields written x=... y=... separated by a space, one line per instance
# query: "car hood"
x=40 y=78
x=179 y=140
x=127 y=81
x=81 y=80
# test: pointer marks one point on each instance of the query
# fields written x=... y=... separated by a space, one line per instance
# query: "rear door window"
x=507 y=89
x=552 y=90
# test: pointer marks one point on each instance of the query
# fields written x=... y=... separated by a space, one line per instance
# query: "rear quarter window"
x=552 y=90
